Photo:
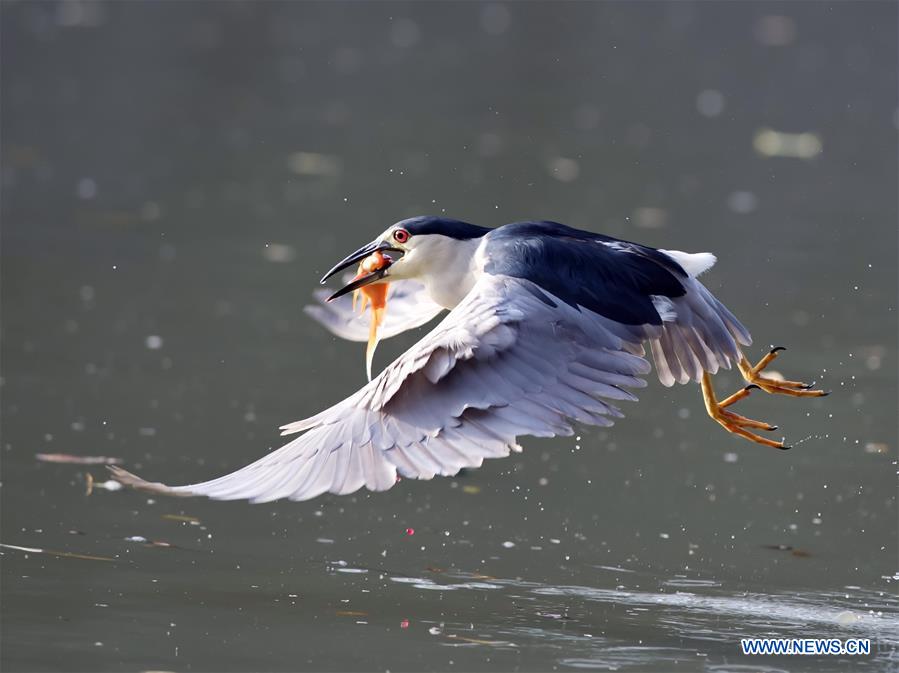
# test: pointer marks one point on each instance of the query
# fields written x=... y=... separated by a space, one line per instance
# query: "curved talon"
x=735 y=423
x=793 y=392
x=753 y=374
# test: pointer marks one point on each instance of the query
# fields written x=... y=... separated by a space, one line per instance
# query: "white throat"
x=456 y=273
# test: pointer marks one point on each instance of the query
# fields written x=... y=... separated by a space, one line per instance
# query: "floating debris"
x=194 y=521
x=71 y=459
x=615 y=569
x=140 y=539
x=351 y=613
x=108 y=485
x=799 y=553
x=53 y=552
x=90 y=484
x=771 y=143
x=471 y=489
x=553 y=615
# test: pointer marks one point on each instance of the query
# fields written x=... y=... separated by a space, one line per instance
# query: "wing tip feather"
x=131 y=480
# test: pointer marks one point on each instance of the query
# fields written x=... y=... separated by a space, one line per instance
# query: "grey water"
x=177 y=176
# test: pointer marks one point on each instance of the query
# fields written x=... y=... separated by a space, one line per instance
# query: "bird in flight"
x=547 y=326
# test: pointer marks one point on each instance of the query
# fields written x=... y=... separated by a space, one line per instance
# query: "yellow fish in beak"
x=374 y=294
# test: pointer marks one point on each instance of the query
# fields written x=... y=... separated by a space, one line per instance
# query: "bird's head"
x=413 y=248
x=424 y=248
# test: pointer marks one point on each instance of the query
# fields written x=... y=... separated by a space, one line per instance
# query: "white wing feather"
x=408 y=306
x=509 y=360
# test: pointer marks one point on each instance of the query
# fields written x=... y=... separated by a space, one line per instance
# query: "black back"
x=608 y=276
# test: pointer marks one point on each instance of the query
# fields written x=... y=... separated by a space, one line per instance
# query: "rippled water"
x=177 y=176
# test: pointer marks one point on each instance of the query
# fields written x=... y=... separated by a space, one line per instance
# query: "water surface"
x=176 y=176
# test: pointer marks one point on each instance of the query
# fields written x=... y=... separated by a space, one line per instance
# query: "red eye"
x=401 y=235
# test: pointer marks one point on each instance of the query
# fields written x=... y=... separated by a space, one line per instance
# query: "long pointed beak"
x=360 y=282
x=357 y=256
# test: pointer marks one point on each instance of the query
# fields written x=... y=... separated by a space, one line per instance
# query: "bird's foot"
x=775 y=385
x=735 y=423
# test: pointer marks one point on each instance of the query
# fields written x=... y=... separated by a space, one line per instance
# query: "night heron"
x=547 y=327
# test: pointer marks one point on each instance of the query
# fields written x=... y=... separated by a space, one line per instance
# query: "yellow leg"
x=735 y=423
x=771 y=385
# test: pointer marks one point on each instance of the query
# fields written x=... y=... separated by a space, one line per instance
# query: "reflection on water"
x=705 y=621
x=718 y=615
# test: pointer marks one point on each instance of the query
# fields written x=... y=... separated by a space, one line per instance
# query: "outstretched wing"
x=408 y=306
x=511 y=359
